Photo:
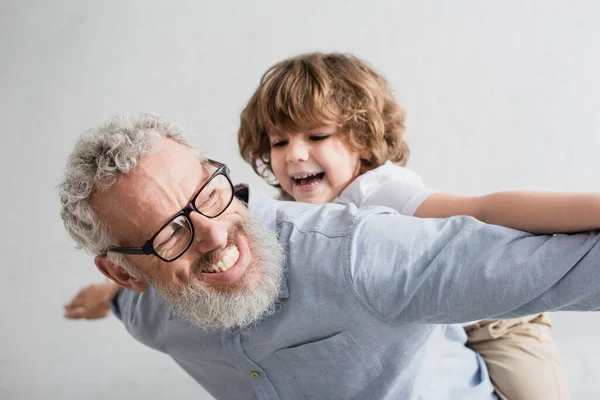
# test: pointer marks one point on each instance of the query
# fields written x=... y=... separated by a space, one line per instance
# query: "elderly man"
x=337 y=303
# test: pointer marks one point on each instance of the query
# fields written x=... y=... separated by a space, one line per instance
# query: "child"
x=326 y=127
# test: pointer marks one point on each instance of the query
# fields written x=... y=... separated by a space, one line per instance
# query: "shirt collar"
x=264 y=208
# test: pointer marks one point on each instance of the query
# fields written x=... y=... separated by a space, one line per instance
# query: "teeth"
x=305 y=176
x=228 y=259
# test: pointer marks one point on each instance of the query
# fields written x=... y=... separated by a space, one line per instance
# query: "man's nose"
x=297 y=152
x=209 y=233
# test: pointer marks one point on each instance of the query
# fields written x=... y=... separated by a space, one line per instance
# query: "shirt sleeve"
x=459 y=269
x=114 y=304
x=389 y=185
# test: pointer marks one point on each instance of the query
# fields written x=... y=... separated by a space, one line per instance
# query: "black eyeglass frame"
x=148 y=248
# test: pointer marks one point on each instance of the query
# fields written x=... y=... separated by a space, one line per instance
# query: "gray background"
x=498 y=96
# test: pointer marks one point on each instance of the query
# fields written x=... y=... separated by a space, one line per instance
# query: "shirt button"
x=254 y=374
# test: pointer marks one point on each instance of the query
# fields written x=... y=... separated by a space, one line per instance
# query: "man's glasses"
x=176 y=236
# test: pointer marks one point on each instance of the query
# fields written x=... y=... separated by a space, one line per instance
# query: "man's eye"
x=318 y=138
x=209 y=198
x=279 y=143
x=177 y=231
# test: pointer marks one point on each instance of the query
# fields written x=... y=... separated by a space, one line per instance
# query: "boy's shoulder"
x=389 y=185
x=389 y=172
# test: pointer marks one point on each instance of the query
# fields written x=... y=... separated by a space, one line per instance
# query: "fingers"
x=83 y=313
x=74 y=313
x=77 y=301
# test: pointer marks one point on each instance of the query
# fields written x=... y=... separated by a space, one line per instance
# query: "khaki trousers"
x=521 y=357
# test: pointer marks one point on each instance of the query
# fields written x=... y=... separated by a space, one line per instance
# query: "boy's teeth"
x=304 y=176
x=309 y=178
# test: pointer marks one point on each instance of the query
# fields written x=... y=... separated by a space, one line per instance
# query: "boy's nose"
x=209 y=233
x=296 y=153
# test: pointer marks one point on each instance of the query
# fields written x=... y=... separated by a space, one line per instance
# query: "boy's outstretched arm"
x=535 y=212
x=92 y=302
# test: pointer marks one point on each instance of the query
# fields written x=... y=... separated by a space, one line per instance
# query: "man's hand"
x=92 y=302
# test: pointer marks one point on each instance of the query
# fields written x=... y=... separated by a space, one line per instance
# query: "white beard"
x=209 y=308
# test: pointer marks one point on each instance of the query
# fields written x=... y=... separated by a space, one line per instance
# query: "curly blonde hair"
x=314 y=88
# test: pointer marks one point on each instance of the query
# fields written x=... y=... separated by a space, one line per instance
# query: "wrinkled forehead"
x=156 y=189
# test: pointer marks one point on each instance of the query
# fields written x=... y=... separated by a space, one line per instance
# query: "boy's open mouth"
x=309 y=179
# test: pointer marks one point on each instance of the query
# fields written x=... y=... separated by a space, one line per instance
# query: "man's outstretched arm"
x=459 y=269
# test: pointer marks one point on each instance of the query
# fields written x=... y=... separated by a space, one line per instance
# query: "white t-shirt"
x=388 y=185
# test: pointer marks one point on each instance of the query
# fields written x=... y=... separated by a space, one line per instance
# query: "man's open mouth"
x=308 y=179
x=228 y=259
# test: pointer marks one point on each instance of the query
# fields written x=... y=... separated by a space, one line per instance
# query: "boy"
x=326 y=127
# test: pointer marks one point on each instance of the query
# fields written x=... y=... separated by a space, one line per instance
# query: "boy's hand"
x=92 y=302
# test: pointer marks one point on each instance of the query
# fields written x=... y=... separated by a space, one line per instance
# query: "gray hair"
x=100 y=157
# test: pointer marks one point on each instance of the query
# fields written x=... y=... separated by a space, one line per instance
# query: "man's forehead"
x=172 y=165
x=157 y=188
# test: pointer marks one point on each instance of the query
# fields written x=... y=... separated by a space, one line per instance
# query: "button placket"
x=263 y=388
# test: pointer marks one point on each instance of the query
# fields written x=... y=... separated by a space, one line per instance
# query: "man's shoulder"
x=332 y=219
x=144 y=315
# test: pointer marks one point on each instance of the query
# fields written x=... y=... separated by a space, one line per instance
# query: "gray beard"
x=240 y=307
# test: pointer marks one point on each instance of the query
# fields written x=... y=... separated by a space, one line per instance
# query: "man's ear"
x=118 y=275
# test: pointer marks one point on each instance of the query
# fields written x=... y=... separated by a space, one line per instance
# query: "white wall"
x=498 y=96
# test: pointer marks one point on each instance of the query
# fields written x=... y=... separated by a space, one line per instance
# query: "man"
x=363 y=306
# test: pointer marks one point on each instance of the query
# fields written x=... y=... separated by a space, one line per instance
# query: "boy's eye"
x=279 y=143
x=318 y=138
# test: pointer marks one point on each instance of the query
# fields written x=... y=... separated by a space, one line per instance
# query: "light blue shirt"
x=368 y=304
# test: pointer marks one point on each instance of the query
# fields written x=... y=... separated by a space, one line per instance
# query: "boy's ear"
x=118 y=275
x=365 y=155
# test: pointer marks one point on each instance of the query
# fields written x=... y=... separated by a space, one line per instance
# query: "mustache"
x=211 y=258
